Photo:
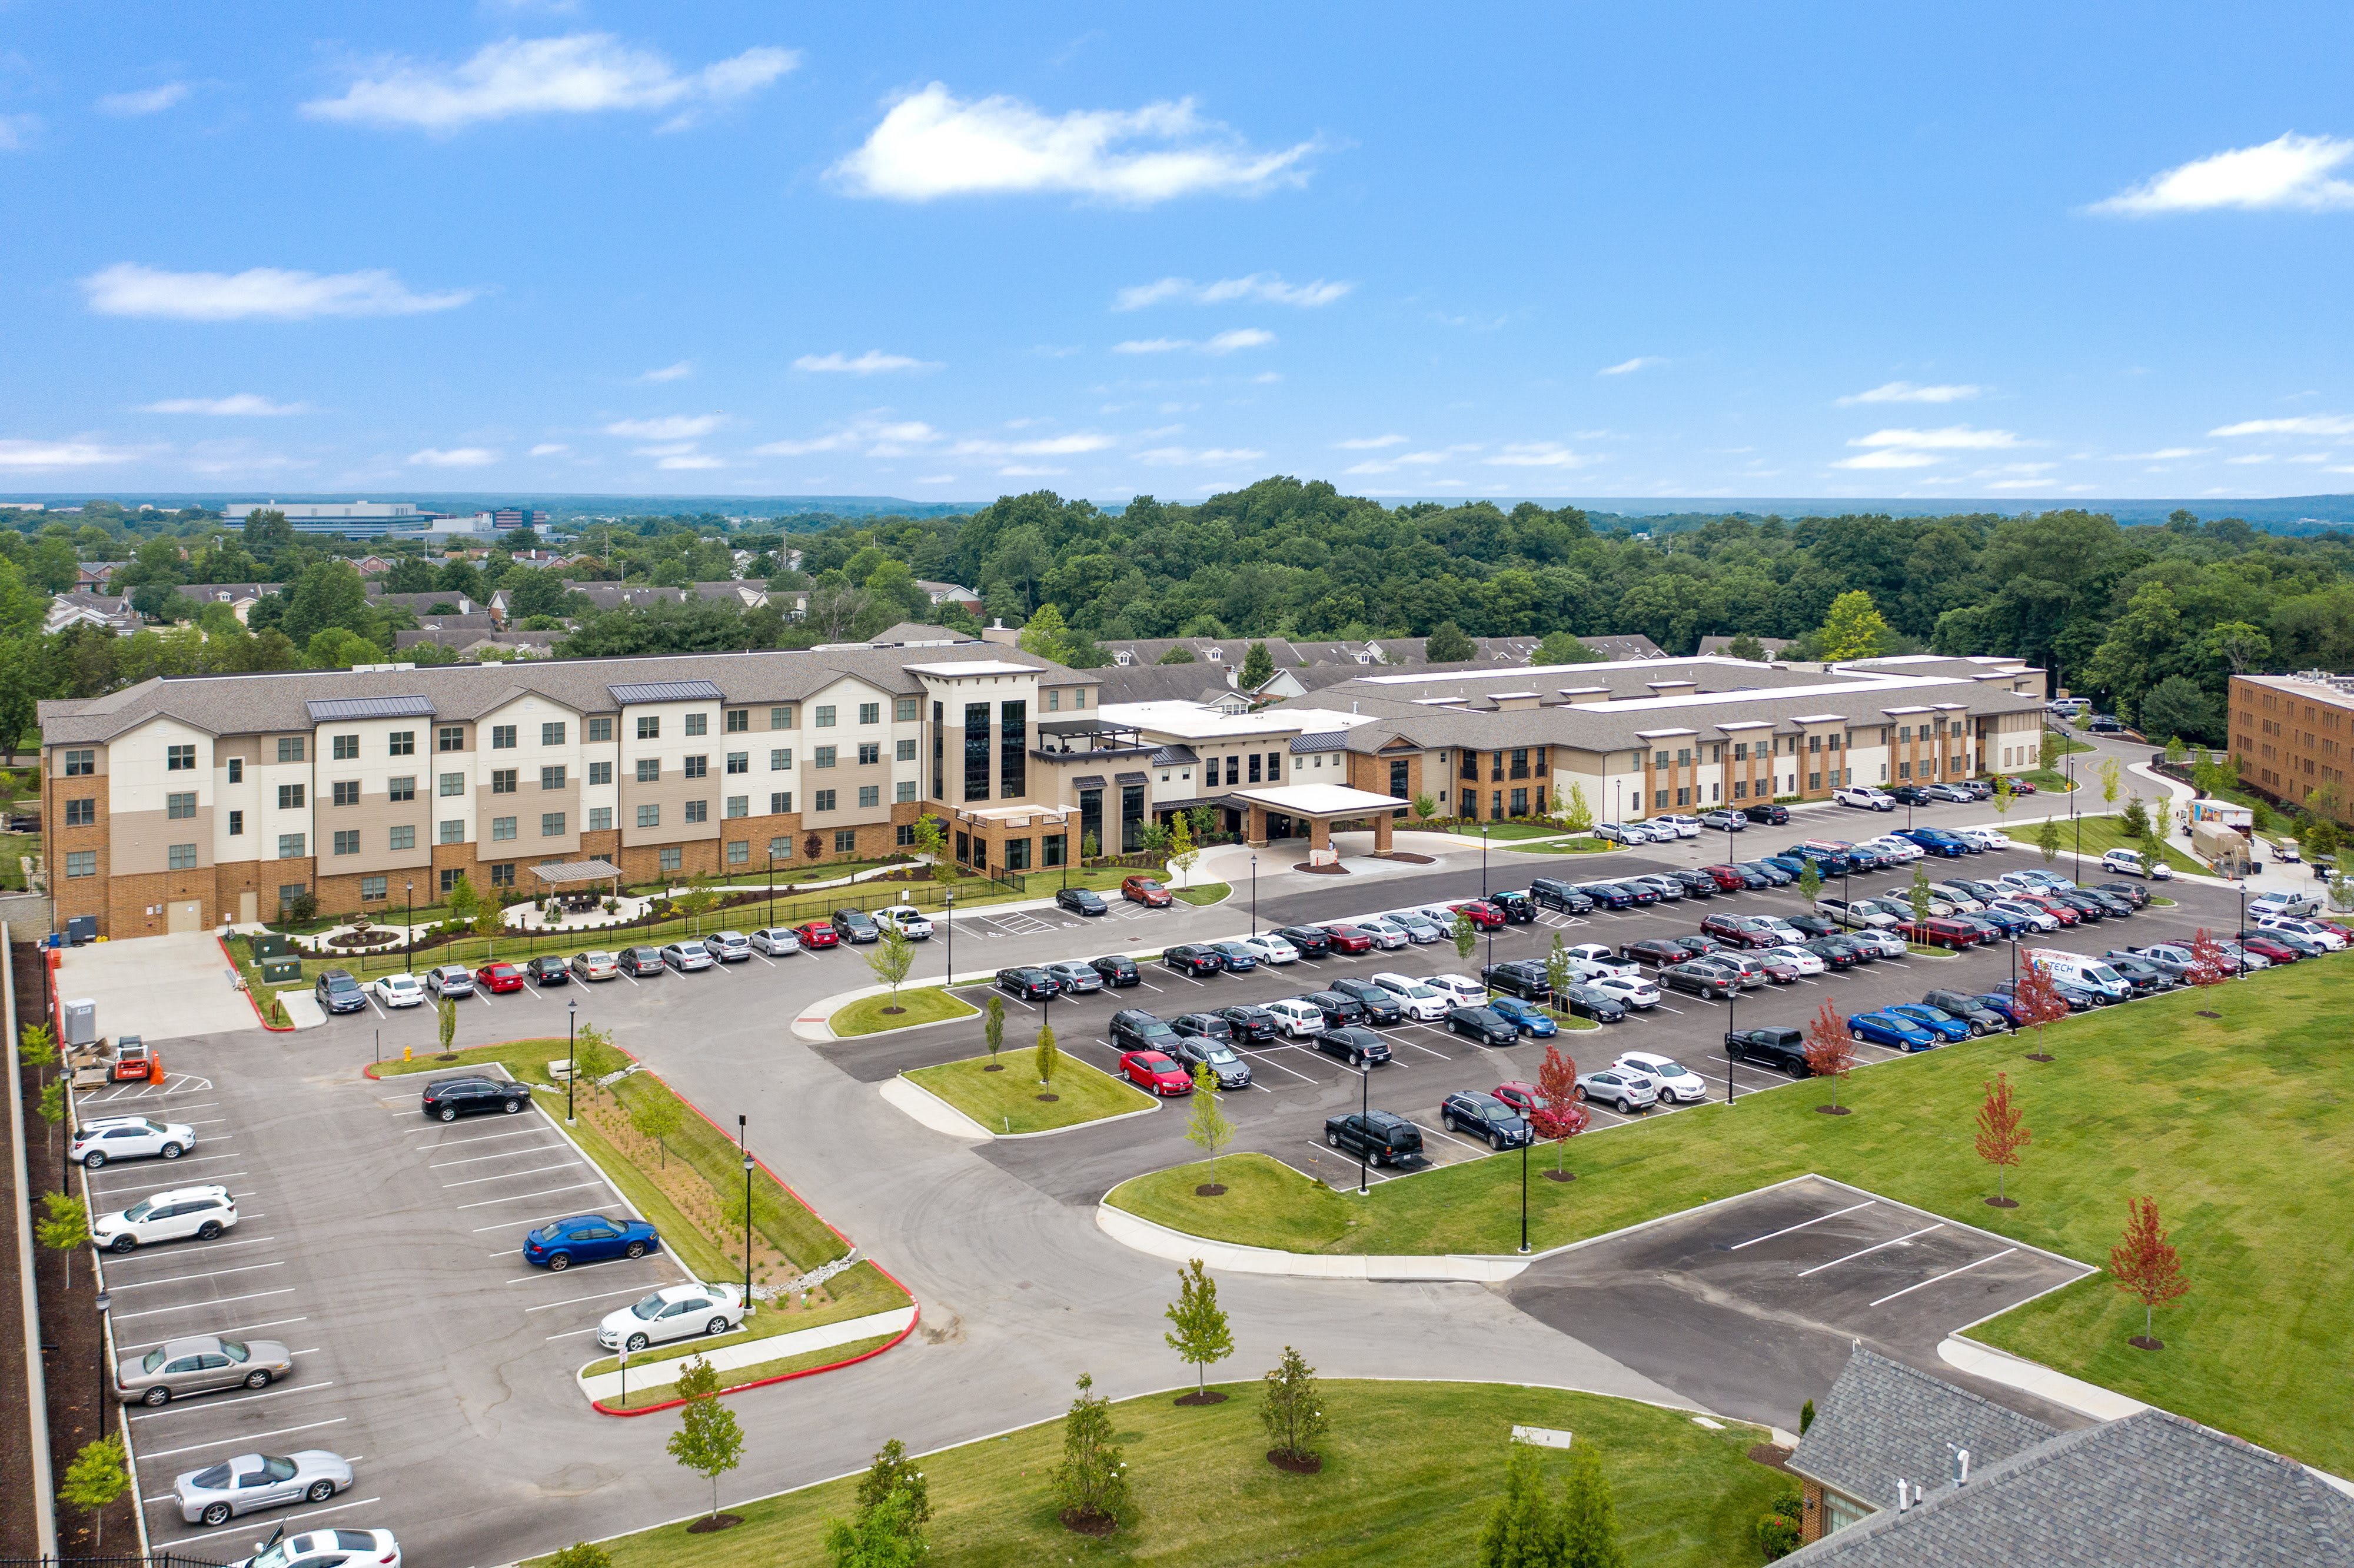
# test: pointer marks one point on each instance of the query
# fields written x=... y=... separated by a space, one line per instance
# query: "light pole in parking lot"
x=409 y=928
x=1365 y=1123
x=772 y=882
x=102 y=1303
x=1483 y=860
x=1524 y=1186
x=948 y=924
x=2241 y=941
x=1254 y=896
x=748 y=1215
x=1732 y=1027
x=571 y=1069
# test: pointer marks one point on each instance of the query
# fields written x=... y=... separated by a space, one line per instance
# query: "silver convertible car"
x=251 y=1481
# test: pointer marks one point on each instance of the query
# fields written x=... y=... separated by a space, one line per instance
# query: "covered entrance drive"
x=1315 y=807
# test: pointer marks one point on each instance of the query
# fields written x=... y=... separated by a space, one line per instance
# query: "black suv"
x=1205 y=1025
x=1117 y=968
x=1358 y=1047
x=447 y=1099
x=856 y=926
x=1381 y=1006
x=1192 y=958
x=1484 y=1025
x=1697 y=884
x=1339 y=1011
x=1784 y=1049
x=1081 y=901
x=1133 y=1029
x=1518 y=908
x=1251 y=1024
x=1378 y=1137
x=1484 y=1116
x=1773 y=816
x=1982 y=1019
x=1523 y=978
x=338 y=992
x=1311 y=942
x=1027 y=984
x=1556 y=893
x=1907 y=794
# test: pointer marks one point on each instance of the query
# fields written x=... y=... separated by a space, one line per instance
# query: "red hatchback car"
x=2053 y=907
x=1155 y=1074
x=1480 y=913
x=1725 y=877
x=499 y=977
x=818 y=934
x=1145 y=890
x=1349 y=939
x=1521 y=1097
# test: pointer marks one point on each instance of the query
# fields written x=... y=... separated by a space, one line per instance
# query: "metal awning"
x=560 y=873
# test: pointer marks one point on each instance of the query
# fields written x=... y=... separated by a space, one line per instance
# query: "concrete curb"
x=2034 y=1377
x=45 y=1518
x=1158 y=1241
x=936 y=1113
x=596 y=1387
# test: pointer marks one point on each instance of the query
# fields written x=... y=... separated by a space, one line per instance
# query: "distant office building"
x=353 y=519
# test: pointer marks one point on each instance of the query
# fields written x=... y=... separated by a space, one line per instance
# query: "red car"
x=1349 y=939
x=1726 y=878
x=1521 y=1097
x=818 y=934
x=499 y=977
x=2021 y=787
x=1779 y=968
x=1145 y=890
x=2265 y=947
x=1155 y=1074
x=2053 y=907
x=1480 y=913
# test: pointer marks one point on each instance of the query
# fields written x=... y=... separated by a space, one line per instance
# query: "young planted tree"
x=707 y=1441
x=582 y=1554
x=1589 y=1514
x=2005 y=797
x=2037 y=1001
x=1577 y=816
x=886 y=1535
x=1208 y=1128
x=1424 y=808
x=2113 y=782
x=698 y=901
x=1919 y=896
x=95 y=1478
x=2048 y=752
x=1557 y=1116
x=1830 y=1052
x=53 y=1107
x=2003 y=1133
x=657 y=1118
x=1557 y=975
x=1810 y=881
x=445 y=1021
x=1182 y=852
x=992 y=1028
x=463 y=901
x=1293 y=1414
x=931 y=845
x=2133 y=823
x=1522 y=1530
x=894 y=1472
x=1467 y=937
x=64 y=1226
x=1200 y=1334
x=1155 y=839
x=1045 y=1056
x=2210 y=964
x=890 y=959
x=1092 y=1480
x=2176 y=751
x=2047 y=839
x=2145 y=1266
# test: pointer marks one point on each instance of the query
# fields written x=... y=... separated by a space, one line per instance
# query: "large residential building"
x=182 y=803
x=2292 y=737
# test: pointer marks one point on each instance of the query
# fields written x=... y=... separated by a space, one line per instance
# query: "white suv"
x=1682 y=827
x=1415 y=1000
x=199 y=1212
x=1297 y=1018
x=1864 y=796
x=130 y=1138
x=2330 y=937
x=1465 y=991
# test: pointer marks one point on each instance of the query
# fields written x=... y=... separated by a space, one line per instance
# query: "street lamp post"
x=102 y=1303
x=947 y=923
x=1524 y=1187
x=571 y=1065
x=409 y=928
x=748 y=1215
x=1254 y=896
x=1731 y=1026
x=1364 y=1116
x=2241 y=941
x=772 y=882
x=1483 y=860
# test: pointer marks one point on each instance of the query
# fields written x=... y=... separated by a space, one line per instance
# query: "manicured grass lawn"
x=2047 y=781
x=2102 y=834
x=730 y=1377
x=1207 y=893
x=1008 y=1102
x=1410 y=1472
x=2070 y=740
x=2240 y=1126
x=919 y=1004
x=14 y=848
x=1566 y=846
x=1498 y=832
x=856 y=1292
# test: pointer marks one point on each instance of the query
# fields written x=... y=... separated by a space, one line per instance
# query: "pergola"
x=560 y=877
x=1320 y=806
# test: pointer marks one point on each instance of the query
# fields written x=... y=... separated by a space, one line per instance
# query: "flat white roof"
x=1191 y=721
x=968 y=667
x=1489 y=674
x=1318 y=799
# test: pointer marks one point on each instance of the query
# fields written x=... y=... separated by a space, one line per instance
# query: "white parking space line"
x=512 y=1175
x=509 y=1224
x=1370 y=1173
x=1947 y=1275
x=290 y=1519
x=574 y=1268
x=1448 y=1136
x=1261 y=1054
x=209 y=1274
x=575 y=1300
x=205 y=1306
x=96 y=1191
x=121 y=1346
x=476 y=1137
x=543 y=1193
x=1877 y=1246
x=176 y=1408
x=240 y=1442
x=505 y=1154
x=1802 y=1224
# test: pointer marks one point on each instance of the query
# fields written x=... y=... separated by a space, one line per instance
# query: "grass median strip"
x=732 y=1377
x=855 y=1292
x=1405 y=1462
x=2237 y=1125
x=919 y=1004
x=1207 y=893
x=1007 y=1101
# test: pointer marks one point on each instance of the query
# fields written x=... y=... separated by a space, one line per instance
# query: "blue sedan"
x=1238 y=958
x=589 y=1238
x=1937 y=841
x=1528 y=1019
x=1889 y=1029
x=1936 y=1021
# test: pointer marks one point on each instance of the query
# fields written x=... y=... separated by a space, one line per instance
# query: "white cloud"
x=873 y=361
x=936 y=479
x=2303 y=424
x=583 y=74
x=670 y=428
x=453 y=457
x=1888 y=458
x=2252 y=458
x=1050 y=446
x=1405 y=460
x=2290 y=171
x=56 y=454
x=1183 y=456
x=1266 y=288
x=2020 y=484
x=1629 y=366
x=1022 y=471
x=1224 y=343
x=692 y=460
x=16 y=129
x=2164 y=454
x=1906 y=392
x=1369 y=444
x=932 y=145
x=549 y=448
x=667 y=449
x=272 y=293
x=236 y=405
x=1950 y=438
x=145 y=100
x=1538 y=454
x=679 y=372
x=882 y=437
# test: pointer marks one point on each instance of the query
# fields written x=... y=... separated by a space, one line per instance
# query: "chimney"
x=1585 y=696
x=1904 y=1496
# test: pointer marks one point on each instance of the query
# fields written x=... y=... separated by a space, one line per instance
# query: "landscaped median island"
x=1411 y=1472
x=2240 y=1127
x=686 y=1176
x=1206 y=893
x=1007 y=1101
x=916 y=1005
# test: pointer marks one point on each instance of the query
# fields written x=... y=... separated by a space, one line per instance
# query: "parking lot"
x=1736 y=1305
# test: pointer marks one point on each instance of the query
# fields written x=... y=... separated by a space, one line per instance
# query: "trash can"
x=81 y=1022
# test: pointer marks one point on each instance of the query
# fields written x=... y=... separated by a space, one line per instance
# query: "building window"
x=84 y=863
x=825 y=716
x=738 y=806
x=1740 y=789
x=551 y=778
x=781 y=718
x=452 y=784
x=181 y=807
x=903 y=710
x=781 y=802
x=976 y=752
x=673 y=859
x=696 y=767
x=453 y=831
x=600 y=773
x=738 y=720
x=501 y=876
x=237 y=824
x=905 y=790
x=402 y=838
x=502 y=828
x=870 y=713
x=869 y=795
x=290 y=796
x=600 y=818
x=1254 y=767
x=822 y=756
x=739 y=762
x=347 y=748
x=503 y=781
x=649 y=770
x=289 y=748
x=181 y=857
x=346 y=791
x=1012 y=750
x=289 y=846
x=552 y=733
x=236 y=769
x=1814 y=780
x=698 y=723
x=870 y=752
x=374 y=889
x=449 y=737
x=904 y=835
x=1054 y=701
x=905 y=751
x=740 y=850
x=845 y=841
x=699 y=811
x=601 y=729
x=649 y=726
x=503 y=738
x=449 y=876
x=402 y=742
x=1274 y=765
x=649 y=816
x=551 y=824
x=179 y=759
x=347 y=840
x=780 y=848
x=824 y=801
x=1663 y=803
x=80 y=764
x=780 y=759
x=1017 y=855
x=1051 y=848
x=401 y=788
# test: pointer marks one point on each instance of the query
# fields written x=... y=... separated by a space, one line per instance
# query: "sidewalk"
x=752 y=1352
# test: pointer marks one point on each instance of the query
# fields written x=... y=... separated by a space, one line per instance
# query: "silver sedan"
x=199 y=1364
x=1075 y=976
x=252 y=1481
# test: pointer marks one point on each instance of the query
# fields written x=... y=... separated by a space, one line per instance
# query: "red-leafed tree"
x=1557 y=1116
x=2037 y=1000
x=2003 y=1133
x=2145 y=1266
x=2210 y=964
x=1830 y=1052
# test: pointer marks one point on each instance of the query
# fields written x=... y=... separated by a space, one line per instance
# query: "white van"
x=2133 y=863
x=2085 y=974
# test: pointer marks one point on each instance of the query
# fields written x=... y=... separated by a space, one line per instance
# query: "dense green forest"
x=2150 y=619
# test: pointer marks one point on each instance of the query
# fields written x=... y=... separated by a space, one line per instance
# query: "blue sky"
x=2021 y=253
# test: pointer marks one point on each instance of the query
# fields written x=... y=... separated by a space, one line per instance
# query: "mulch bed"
x=1408 y=857
x=1335 y=868
x=2002 y=1202
x=1086 y=1521
x=712 y=1521
x=2039 y=1056
x=1308 y=1464
x=1211 y=1397
x=1049 y=1099
x=1771 y=1455
x=1835 y=1110
x=1560 y=1175
x=994 y=1067
x=1211 y=1190
x=2141 y=1343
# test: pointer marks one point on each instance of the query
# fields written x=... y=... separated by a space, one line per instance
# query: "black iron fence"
x=132 y=1560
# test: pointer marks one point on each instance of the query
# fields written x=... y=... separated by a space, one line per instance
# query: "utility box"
x=81 y=929
x=272 y=945
x=81 y=1022
x=281 y=971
